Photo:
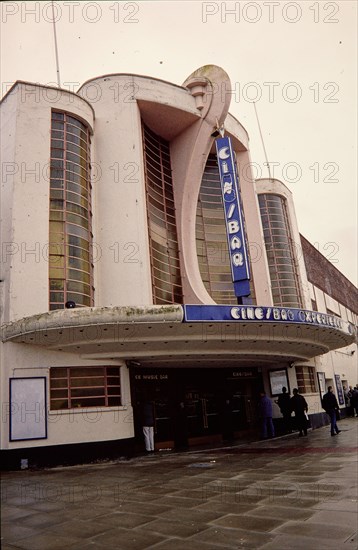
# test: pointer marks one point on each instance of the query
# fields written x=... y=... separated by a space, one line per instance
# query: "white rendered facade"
x=127 y=325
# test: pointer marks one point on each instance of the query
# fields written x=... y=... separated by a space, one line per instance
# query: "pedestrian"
x=283 y=402
x=347 y=400
x=227 y=420
x=330 y=405
x=180 y=425
x=299 y=407
x=265 y=405
x=350 y=410
x=148 y=425
x=354 y=401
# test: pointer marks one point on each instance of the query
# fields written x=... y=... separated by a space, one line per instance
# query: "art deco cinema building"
x=142 y=261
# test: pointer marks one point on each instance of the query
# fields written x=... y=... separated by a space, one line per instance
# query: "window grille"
x=73 y=387
x=211 y=239
x=163 y=241
x=286 y=291
x=306 y=379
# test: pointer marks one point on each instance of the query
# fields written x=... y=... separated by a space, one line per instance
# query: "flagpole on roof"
x=56 y=48
x=262 y=141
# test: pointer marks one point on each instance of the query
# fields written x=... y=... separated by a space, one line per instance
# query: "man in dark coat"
x=299 y=407
x=330 y=405
x=354 y=400
x=283 y=402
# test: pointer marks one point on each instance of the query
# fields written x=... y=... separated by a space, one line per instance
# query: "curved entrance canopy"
x=179 y=336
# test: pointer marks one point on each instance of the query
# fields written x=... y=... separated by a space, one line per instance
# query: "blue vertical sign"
x=233 y=217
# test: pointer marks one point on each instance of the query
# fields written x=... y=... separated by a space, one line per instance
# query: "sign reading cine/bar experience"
x=233 y=217
x=247 y=314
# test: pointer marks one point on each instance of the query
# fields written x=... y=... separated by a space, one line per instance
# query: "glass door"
x=202 y=413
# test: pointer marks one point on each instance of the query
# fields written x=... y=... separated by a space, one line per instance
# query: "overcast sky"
x=297 y=60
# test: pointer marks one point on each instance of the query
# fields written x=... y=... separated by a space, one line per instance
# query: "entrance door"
x=195 y=406
x=203 y=417
x=153 y=386
x=163 y=421
x=243 y=399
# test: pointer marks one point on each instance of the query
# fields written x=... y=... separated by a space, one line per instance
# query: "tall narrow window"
x=163 y=241
x=211 y=239
x=70 y=264
x=286 y=291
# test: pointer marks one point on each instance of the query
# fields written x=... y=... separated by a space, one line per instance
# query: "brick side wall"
x=324 y=275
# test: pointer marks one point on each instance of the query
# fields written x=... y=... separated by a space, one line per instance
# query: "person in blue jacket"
x=265 y=406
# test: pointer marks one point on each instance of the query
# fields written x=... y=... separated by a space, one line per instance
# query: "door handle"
x=205 y=415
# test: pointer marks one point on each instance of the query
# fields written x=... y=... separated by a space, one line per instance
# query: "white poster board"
x=278 y=380
x=321 y=383
x=28 y=408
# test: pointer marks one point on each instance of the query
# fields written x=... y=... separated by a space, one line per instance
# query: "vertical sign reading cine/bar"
x=233 y=217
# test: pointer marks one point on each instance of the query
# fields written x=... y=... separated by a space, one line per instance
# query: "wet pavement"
x=285 y=493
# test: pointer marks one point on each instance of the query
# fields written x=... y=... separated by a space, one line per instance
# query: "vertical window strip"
x=71 y=267
x=286 y=288
x=163 y=241
x=212 y=249
x=293 y=254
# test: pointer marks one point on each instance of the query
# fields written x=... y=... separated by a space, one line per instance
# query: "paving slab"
x=282 y=512
x=232 y=538
x=328 y=517
x=178 y=544
x=46 y=541
x=121 y=539
x=285 y=493
x=288 y=542
x=320 y=531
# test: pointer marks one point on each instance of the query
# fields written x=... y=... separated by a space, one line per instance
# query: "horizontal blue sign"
x=233 y=217
x=246 y=314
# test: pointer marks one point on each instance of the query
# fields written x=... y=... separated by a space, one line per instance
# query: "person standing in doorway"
x=180 y=424
x=347 y=401
x=354 y=401
x=330 y=405
x=283 y=402
x=148 y=425
x=299 y=407
x=267 y=428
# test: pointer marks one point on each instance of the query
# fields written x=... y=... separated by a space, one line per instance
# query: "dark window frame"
x=306 y=379
x=64 y=221
x=70 y=387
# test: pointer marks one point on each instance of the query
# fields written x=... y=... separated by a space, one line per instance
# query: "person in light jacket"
x=148 y=425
